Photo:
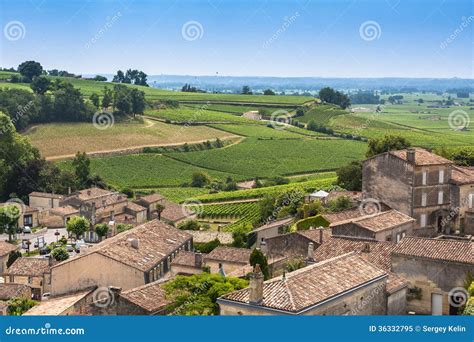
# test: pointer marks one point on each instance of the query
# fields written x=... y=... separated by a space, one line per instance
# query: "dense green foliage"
x=314 y=221
x=60 y=254
x=78 y=225
x=17 y=306
x=385 y=144
x=349 y=176
x=197 y=294
x=258 y=258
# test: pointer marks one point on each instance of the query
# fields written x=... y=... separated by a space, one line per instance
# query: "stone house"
x=34 y=272
x=269 y=230
x=462 y=199
x=150 y=202
x=344 y=285
x=127 y=260
x=5 y=249
x=187 y=263
x=28 y=216
x=44 y=200
x=172 y=213
x=414 y=182
x=389 y=225
x=227 y=259
x=376 y=252
x=433 y=267
x=149 y=299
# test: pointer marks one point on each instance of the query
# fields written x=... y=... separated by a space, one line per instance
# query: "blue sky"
x=263 y=38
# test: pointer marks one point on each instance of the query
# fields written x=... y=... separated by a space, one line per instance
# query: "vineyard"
x=246 y=213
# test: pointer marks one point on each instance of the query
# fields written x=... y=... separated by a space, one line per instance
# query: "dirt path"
x=139 y=148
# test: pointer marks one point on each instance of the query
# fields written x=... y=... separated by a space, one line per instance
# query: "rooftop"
x=230 y=254
x=10 y=290
x=152 y=198
x=56 y=306
x=173 y=212
x=185 y=258
x=449 y=250
x=383 y=220
x=335 y=218
x=422 y=157
x=6 y=248
x=135 y=207
x=203 y=236
x=25 y=266
x=313 y=284
x=273 y=224
x=315 y=234
x=156 y=240
x=462 y=175
x=45 y=195
x=150 y=297
x=64 y=210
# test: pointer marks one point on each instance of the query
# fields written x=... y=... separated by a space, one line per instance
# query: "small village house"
x=74 y=304
x=44 y=200
x=130 y=259
x=269 y=230
x=462 y=199
x=9 y=291
x=187 y=263
x=34 y=272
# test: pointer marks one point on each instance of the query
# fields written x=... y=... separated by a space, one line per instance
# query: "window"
x=441 y=176
x=27 y=220
x=471 y=200
x=30 y=280
x=423 y=220
x=398 y=237
x=423 y=199
x=425 y=176
x=440 y=197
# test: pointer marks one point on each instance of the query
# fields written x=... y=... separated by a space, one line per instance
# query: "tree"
x=268 y=92
x=100 y=78
x=40 y=85
x=17 y=306
x=257 y=257
x=60 y=253
x=122 y=99
x=246 y=90
x=107 y=98
x=197 y=294
x=189 y=225
x=341 y=203
x=101 y=230
x=9 y=216
x=330 y=95
x=200 y=179
x=12 y=257
x=78 y=225
x=349 y=176
x=30 y=69
x=138 y=101
x=159 y=209
x=95 y=100
x=82 y=169
x=386 y=144
x=239 y=237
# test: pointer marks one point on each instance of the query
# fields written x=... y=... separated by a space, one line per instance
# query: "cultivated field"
x=61 y=140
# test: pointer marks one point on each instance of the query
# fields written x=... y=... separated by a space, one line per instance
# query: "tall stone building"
x=415 y=182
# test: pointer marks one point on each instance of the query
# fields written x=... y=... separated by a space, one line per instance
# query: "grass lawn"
x=62 y=139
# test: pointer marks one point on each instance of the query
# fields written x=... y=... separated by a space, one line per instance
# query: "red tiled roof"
x=462 y=175
x=343 y=215
x=383 y=220
x=313 y=284
x=150 y=297
x=6 y=248
x=449 y=250
x=34 y=267
x=185 y=258
x=230 y=254
x=10 y=290
x=173 y=212
x=422 y=157
x=45 y=195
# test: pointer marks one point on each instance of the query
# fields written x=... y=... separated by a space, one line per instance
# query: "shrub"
x=60 y=254
x=189 y=225
x=314 y=221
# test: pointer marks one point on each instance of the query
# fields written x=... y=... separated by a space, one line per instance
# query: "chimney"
x=366 y=248
x=134 y=243
x=198 y=260
x=411 y=155
x=321 y=236
x=256 y=286
x=263 y=247
x=310 y=256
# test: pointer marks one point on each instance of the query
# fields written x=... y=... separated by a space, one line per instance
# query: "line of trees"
x=130 y=76
x=329 y=95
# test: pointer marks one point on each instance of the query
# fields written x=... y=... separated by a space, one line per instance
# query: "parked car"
x=69 y=248
x=26 y=230
x=44 y=251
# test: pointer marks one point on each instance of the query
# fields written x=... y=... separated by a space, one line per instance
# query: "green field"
x=196 y=115
x=246 y=213
x=269 y=158
x=321 y=114
x=85 y=137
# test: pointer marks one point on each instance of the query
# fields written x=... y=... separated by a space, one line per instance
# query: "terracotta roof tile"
x=173 y=212
x=462 y=175
x=152 y=198
x=348 y=214
x=422 y=157
x=313 y=284
x=56 y=306
x=230 y=254
x=437 y=249
x=273 y=224
x=10 y=290
x=185 y=258
x=6 y=248
x=34 y=267
x=203 y=236
x=150 y=297
x=383 y=220
x=46 y=195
